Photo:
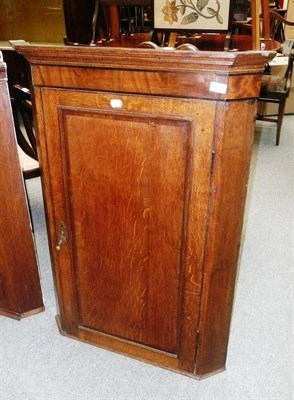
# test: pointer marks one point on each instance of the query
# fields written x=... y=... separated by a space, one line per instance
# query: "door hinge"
x=213 y=153
x=197 y=347
x=197 y=338
x=2 y=293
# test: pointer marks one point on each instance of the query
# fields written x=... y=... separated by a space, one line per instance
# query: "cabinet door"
x=126 y=182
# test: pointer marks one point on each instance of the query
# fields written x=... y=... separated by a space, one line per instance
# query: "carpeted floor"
x=37 y=363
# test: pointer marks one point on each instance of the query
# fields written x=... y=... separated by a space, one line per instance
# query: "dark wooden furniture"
x=216 y=42
x=21 y=102
x=276 y=27
x=276 y=89
x=18 y=69
x=256 y=6
x=20 y=291
x=277 y=23
x=78 y=16
x=210 y=42
x=134 y=16
x=18 y=72
x=145 y=156
x=88 y=22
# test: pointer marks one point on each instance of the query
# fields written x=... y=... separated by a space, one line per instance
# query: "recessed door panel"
x=127 y=190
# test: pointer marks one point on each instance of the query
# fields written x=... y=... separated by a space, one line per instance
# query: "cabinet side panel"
x=233 y=143
x=20 y=291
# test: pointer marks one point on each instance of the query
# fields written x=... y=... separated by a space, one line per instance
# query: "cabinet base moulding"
x=19 y=316
x=94 y=340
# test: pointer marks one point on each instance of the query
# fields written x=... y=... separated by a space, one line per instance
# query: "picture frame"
x=193 y=15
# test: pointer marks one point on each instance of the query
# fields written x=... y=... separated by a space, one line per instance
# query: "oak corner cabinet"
x=145 y=157
x=20 y=290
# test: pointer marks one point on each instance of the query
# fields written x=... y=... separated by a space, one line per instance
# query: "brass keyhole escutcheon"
x=62 y=236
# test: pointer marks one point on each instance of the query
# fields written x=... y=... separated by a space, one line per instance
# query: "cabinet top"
x=161 y=59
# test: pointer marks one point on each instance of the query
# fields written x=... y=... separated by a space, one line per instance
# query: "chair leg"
x=280 y=119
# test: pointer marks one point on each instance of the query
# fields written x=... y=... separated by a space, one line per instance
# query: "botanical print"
x=192 y=14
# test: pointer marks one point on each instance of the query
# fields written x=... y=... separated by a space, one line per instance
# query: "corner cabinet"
x=20 y=290
x=145 y=158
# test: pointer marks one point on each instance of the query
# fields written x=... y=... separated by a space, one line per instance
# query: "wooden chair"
x=25 y=134
x=277 y=23
x=275 y=89
x=134 y=16
x=276 y=26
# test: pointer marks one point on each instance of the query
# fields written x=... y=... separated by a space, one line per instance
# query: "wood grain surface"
x=20 y=291
x=145 y=158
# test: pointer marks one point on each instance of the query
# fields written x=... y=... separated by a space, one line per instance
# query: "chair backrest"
x=289 y=70
x=276 y=26
x=134 y=16
x=23 y=120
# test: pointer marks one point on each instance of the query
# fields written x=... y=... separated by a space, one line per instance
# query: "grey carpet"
x=37 y=363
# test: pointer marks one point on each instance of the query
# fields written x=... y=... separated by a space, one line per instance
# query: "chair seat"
x=275 y=89
x=272 y=84
x=30 y=167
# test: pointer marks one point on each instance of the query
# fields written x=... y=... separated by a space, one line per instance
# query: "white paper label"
x=218 y=87
x=116 y=103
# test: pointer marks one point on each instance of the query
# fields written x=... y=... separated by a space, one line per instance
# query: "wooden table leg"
x=265 y=21
x=255 y=10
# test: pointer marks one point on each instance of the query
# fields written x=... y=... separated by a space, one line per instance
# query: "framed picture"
x=193 y=15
